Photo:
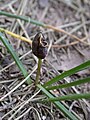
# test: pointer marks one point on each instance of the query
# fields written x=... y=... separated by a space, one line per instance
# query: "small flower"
x=39 y=46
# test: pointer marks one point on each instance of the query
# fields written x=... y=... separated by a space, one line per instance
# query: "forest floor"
x=66 y=53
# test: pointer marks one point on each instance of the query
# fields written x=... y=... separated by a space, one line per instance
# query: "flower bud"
x=39 y=46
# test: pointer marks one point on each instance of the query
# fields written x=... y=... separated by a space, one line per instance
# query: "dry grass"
x=64 y=53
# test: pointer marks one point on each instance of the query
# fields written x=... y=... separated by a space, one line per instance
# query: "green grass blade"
x=68 y=73
x=58 y=104
x=78 y=82
x=26 y=19
x=70 y=97
x=15 y=57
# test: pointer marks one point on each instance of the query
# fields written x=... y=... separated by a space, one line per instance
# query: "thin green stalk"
x=38 y=71
x=68 y=73
x=15 y=57
x=61 y=107
x=77 y=82
x=70 y=97
x=27 y=19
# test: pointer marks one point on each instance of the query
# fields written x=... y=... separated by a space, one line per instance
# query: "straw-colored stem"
x=16 y=36
x=63 y=31
x=38 y=71
x=30 y=41
x=28 y=19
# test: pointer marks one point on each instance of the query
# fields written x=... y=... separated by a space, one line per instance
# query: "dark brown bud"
x=39 y=46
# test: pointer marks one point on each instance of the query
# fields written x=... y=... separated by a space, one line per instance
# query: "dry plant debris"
x=64 y=53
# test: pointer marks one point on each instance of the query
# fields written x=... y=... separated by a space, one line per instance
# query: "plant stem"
x=28 y=19
x=38 y=71
x=15 y=57
x=16 y=36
